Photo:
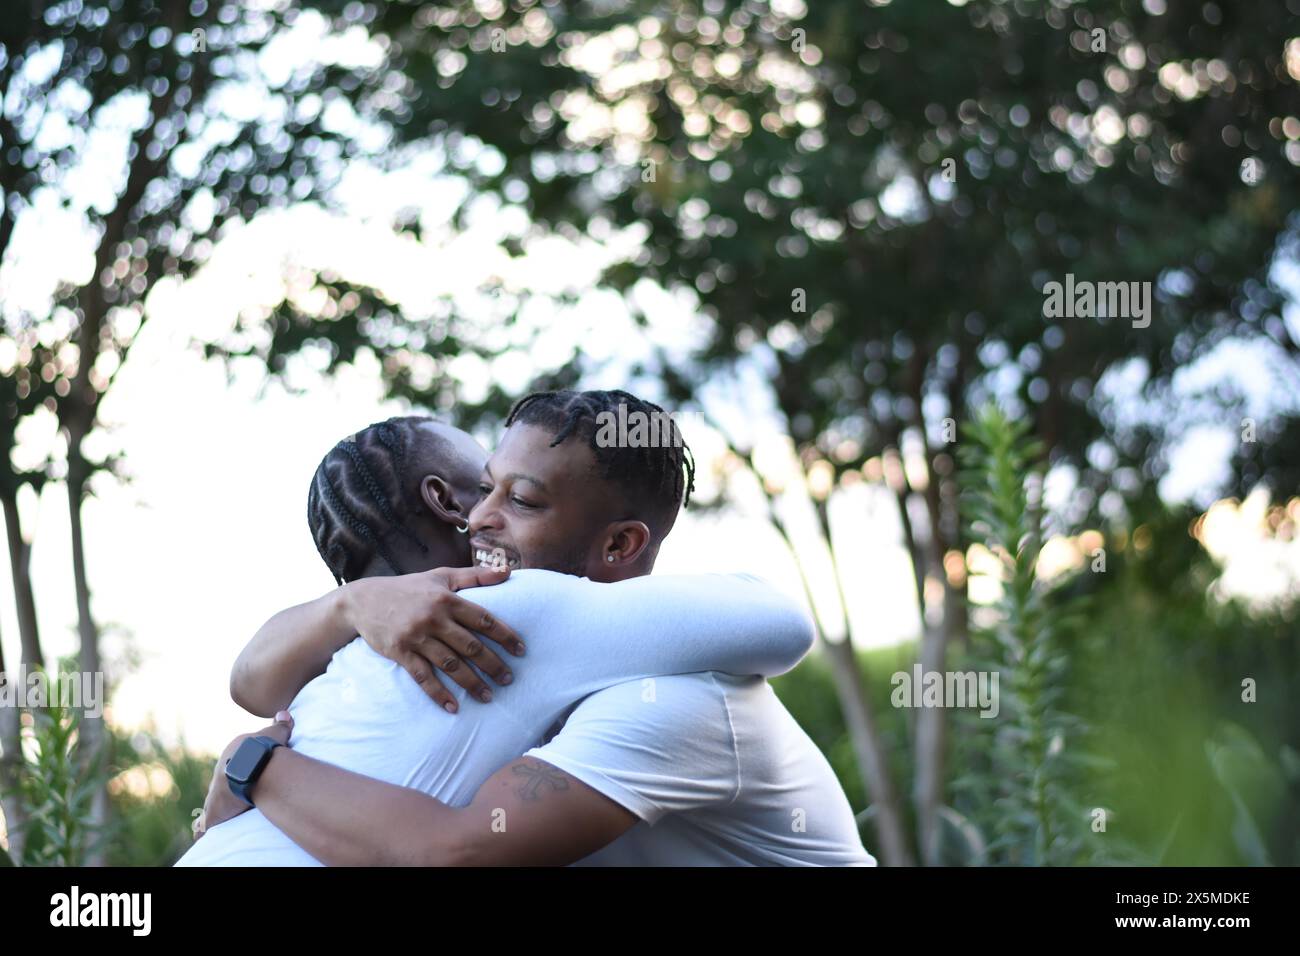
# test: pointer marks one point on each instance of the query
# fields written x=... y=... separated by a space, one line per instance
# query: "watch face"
x=245 y=760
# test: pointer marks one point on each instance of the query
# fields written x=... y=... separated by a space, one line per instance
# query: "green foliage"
x=808 y=693
x=155 y=791
x=147 y=828
x=156 y=826
x=1200 y=775
x=1027 y=791
x=776 y=175
x=1253 y=783
x=58 y=783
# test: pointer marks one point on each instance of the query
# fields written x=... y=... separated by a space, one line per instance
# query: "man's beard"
x=573 y=561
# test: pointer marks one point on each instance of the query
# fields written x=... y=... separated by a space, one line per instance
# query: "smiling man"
x=700 y=768
x=599 y=511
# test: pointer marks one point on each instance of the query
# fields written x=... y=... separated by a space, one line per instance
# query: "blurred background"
x=819 y=234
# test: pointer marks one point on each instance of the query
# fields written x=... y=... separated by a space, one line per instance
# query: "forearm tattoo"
x=533 y=777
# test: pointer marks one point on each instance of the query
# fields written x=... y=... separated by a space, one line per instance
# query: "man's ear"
x=625 y=543
x=440 y=499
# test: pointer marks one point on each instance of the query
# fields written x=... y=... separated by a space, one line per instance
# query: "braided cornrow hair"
x=358 y=495
x=661 y=475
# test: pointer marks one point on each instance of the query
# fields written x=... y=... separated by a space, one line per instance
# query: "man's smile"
x=489 y=555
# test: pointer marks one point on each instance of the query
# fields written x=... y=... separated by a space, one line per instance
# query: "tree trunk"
x=930 y=727
x=93 y=734
x=11 y=771
x=11 y=758
x=931 y=742
x=856 y=703
x=931 y=746
x=869 y=751
x=20 y=562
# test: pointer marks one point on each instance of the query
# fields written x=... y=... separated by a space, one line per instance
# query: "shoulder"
x=528 y=581
x=529 y=592
x=681 y=700
x=657 y=745
x=682 y=720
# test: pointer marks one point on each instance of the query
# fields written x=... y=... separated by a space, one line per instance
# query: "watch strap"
x=242 y=788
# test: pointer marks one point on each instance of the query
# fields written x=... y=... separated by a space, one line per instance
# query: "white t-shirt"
x=716 y=768
x=366 y=713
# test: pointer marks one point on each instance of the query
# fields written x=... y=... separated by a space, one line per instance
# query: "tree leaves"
x=1023 y=792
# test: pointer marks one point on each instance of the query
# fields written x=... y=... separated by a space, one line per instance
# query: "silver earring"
x=610 y=559
x=463 y=528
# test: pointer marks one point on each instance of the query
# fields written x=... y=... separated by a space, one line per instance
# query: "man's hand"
x=221 y=803
x=418 y=621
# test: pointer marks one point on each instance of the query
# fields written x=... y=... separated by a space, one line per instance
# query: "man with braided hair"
x=688 y=759
x=383 y=502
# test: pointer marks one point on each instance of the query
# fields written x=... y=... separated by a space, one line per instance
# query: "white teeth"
x=492 y=559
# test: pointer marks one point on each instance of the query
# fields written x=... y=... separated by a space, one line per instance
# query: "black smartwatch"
x=247 y=764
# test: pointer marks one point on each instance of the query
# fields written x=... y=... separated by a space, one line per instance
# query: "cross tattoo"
x=534 y=777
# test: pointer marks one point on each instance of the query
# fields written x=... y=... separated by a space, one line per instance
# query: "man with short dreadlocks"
x=690 y=759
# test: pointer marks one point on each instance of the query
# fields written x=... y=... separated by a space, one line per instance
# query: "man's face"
x=542 y=507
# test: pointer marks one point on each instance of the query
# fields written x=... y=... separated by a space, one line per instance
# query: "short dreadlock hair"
x=656 y=476
x=361 y=491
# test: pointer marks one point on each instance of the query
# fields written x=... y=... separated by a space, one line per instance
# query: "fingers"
x=474 y=618
x=460 y=578
x=471 y=615
x=281 y=729
x=439 y=652
x=421 y=672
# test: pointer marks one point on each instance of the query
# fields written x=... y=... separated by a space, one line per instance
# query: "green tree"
x=1029 y=806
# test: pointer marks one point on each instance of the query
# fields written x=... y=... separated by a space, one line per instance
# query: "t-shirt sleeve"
x=597 y=634
x=655 y=746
